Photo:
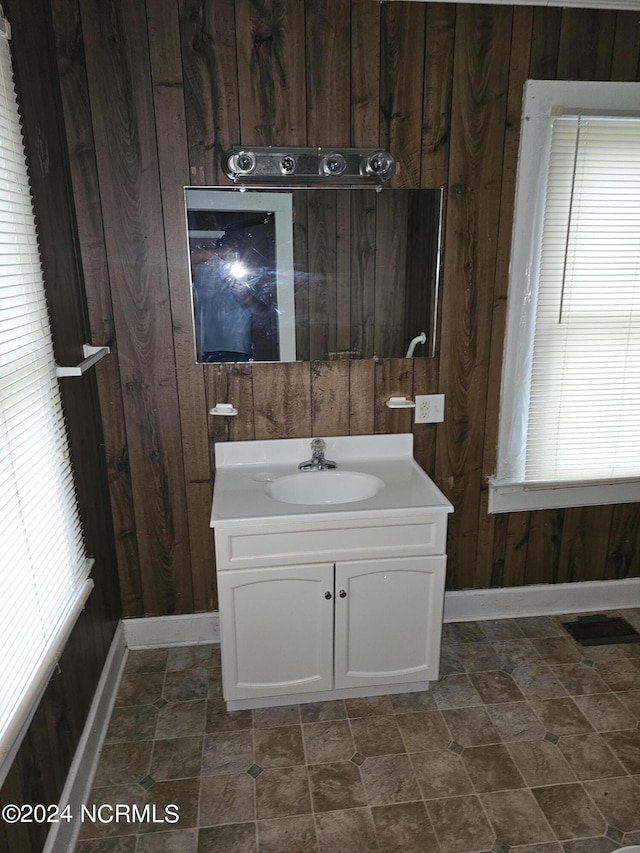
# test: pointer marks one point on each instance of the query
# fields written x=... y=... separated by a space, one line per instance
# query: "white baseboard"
x=62 y=836
x=467 y=605
x=470 y=605
x=186 y=630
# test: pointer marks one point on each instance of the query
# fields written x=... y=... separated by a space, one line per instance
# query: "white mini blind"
x=43 y=571
x=584 y=406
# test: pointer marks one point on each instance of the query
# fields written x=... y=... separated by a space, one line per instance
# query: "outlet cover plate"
x=429 y=408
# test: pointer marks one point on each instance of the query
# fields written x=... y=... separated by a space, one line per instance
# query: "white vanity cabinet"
x=310 y=628
x=340 y=627
x=325 y=593
x=388 y=621
x=276 y=629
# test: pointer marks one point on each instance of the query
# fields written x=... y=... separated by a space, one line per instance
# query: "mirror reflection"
x=306 y=274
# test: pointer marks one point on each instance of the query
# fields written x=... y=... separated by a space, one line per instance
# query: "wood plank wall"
x=154 y=93
x=44 y=757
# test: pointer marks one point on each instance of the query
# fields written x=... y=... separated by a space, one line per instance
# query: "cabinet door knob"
x=342 y=594
x=327 y=595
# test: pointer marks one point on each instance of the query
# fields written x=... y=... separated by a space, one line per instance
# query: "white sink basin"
x=324 y=487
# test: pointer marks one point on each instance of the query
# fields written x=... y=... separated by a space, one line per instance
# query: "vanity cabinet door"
x=276 y=630
x=388 y=620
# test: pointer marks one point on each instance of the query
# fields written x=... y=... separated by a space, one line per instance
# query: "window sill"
x=518 y=498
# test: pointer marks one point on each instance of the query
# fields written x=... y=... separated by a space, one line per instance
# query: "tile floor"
x=529 y=742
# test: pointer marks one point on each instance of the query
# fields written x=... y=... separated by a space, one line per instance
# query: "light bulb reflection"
x=237 y=270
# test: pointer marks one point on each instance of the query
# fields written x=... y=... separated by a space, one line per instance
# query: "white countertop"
x=244 y=468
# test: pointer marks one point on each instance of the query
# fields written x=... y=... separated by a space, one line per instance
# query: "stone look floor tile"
x=176 y=758
x=181 y=794
x=579 y=679
x=123 y=844
x=515 y=721
x=137 y=690
x=282 y=792
x=279 y=747
x=491 y=768
x=516 y=818
x=121 y=763
x=626 y=746
x=619 y=675
x=187 y=684
x=227 y=799
x=404 y=827
x=330 y=741
x=561 y=716
x=557 y=650
x=389 y=779
x=146 y=660
x=369 y=706
x=317 y=712
x=221 y=720
x=496 y=687
x=336 y=786
x=227 y=752
x=441 y=773
x=540 y=762
x=528 y=743
x=377 y=735
x=232 y=838
x=618 y=800
x=606 y=712
x=110 y=797
x=538 y=681
x=290 y=834
x=423 y=731
x=455 y=691
x=133 y=722
x=460 y=824
x=267 y=718
x=570 y=811
x=352 y=830
x=589 y=757
x=181 y=719
x=179 y=841
x=470 y=726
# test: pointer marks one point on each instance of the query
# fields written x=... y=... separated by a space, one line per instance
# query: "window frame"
x=508 y=491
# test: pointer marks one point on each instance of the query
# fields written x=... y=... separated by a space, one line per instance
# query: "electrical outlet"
x=429 y=408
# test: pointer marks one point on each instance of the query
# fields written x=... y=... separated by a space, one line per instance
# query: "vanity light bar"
x=309 y=165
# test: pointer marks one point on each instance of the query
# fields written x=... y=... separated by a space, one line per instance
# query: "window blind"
x=43 y=572
x=584 y=405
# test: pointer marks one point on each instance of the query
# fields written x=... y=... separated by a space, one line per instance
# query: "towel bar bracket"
x=91 y=356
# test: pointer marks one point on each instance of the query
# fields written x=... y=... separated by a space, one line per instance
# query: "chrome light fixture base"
x=308 y=165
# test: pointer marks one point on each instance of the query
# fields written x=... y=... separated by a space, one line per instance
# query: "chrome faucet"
x=317 y=461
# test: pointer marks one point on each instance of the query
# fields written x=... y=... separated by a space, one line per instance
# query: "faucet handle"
x=318 y=444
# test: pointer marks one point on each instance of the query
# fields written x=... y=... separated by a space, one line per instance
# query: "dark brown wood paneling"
x=586 y=44
x=79 y=133
x=328 y=40
x=271 y=72
x=477 y=126
x=210 y=71
x=166 y=71
x=438 y=80
x=46 y=753
x=402 y=63
x=365 y=73
x=170 y=87
x=116 y=46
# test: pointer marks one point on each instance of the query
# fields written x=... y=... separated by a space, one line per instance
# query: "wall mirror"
x=313 y=274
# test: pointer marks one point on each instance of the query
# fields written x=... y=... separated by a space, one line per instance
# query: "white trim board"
x=184 y=630
x=471 y=605
x=63 y=835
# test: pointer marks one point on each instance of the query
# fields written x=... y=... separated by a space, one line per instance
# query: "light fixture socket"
x=298 y=165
